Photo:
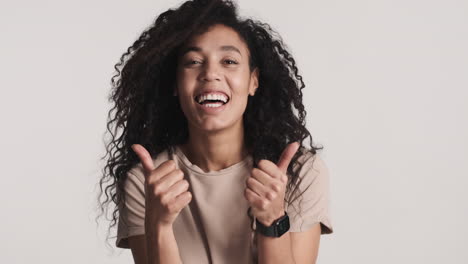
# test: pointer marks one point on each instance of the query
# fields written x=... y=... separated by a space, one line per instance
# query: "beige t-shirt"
x=214 y=227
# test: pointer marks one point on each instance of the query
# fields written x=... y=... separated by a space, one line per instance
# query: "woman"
x=210 y=166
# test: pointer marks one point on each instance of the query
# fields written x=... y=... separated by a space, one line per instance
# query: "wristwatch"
x=277 y=228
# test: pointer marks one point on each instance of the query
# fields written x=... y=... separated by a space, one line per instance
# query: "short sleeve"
x=313 y=206
x=132 y=213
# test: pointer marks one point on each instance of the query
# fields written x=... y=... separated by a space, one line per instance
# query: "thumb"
x=287 y=155
x=145 y=158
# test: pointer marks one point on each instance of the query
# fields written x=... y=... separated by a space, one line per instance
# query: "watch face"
x=283 y=225
x=277 y=229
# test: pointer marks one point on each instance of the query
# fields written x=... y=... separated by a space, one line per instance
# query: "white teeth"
x=213 y=105
x=204 y=97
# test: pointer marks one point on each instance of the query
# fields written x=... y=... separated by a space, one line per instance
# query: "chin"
x=213 y=127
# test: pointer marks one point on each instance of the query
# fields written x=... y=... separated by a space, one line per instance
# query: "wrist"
x=157 y=227
x=158 y=234
x=276 y=228
x=269 y=221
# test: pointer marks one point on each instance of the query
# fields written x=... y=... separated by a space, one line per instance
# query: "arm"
x=291 y=247
x=159 y=246
x=305 y=245
x=273 y=250
x=165 y=195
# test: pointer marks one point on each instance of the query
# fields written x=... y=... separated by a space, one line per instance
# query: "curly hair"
x=143 y=85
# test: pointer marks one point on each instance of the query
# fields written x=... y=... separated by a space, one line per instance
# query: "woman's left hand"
x=266 y=186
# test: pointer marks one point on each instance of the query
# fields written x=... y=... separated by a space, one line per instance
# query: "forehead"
x=218 y=38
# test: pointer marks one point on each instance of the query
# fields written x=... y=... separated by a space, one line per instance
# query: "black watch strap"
x=277 y=228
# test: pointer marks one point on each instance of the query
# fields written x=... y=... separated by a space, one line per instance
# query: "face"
x=211 y=67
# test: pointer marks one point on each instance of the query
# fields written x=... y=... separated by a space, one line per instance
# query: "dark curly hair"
x=142 y=93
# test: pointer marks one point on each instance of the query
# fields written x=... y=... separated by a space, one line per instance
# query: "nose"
x=210 y=72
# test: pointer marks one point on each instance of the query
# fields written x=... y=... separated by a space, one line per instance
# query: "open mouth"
x=212 y=101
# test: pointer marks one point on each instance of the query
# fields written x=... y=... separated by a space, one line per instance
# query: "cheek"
x=239 y=100
x=185 y=84
x=239 y=84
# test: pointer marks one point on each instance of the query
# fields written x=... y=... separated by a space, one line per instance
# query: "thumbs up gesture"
x=266 y=186
x=165 y=189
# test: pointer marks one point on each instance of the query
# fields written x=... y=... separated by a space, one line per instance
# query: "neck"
x=214 y=151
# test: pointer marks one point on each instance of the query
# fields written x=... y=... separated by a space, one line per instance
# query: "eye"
x=191 y=63
x=228 y=61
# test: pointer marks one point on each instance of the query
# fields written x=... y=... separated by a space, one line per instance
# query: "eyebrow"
x=198 y=49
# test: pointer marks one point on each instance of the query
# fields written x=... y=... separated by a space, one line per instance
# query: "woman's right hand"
x=165 y=187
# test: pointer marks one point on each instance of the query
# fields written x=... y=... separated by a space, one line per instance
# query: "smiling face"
x=215 y=62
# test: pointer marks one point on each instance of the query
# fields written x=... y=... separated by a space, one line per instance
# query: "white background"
x=386 y=95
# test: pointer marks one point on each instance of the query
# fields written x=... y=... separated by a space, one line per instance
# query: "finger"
x=144 y=157
x=267 y=180
x=270 y=169
x=174 y=191
x=167 y=180
x=284 y=179
x=163 y=169
x=260 y=189
x=254 y=199
x=182 y=200
x=287 y=155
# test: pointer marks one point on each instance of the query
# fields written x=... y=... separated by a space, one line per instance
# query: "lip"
x=212 y=110
x=212 y=91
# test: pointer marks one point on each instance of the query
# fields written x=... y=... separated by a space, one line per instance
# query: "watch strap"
x=276 y=229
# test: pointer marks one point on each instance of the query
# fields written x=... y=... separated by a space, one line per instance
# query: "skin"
x=218 y=138
x=218 y=141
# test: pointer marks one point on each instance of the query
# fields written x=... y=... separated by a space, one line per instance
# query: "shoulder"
x=309 y=203
x=311 y=164
x=312 y=175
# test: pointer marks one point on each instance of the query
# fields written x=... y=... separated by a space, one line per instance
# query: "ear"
x=253 y=82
